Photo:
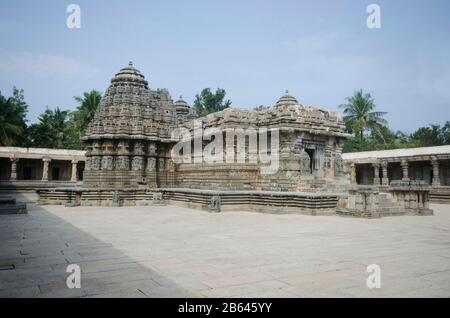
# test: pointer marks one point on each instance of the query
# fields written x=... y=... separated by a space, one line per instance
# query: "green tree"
x=80 y=119
x=50 y=131
x=445 y=133
x=208 y=102
x=426 y=136
x=359 y=115
x=13 y=111
x=88 y=104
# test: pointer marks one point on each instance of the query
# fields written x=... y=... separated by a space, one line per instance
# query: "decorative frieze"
x=137 y=163
x=151 y=164
x=107 y=163
x=122 y=163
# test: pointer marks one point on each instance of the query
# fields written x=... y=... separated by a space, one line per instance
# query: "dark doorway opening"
x=55 y=173
x=310 y=153
x=27 y=173
x=80 y=174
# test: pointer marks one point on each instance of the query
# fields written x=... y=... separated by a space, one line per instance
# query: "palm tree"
x=86 y=110
x=359 y=115
x=50 y=132
x=11 y=123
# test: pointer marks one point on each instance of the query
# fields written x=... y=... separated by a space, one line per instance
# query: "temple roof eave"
x=127 y=137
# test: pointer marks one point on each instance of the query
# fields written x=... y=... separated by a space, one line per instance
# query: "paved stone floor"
x=176 y=252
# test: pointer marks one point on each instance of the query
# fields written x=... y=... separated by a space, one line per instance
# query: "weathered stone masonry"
x=129 y=160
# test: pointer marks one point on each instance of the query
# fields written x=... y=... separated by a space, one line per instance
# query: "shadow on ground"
x=36 y=249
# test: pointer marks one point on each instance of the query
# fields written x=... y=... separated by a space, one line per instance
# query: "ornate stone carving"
x=122 y=163
x=215 y=203
x=161 y=164
x=305 y=163
x=151 y=164
x=116 y=198
x=158 y=198
x=87 y=166
x=96 y=163
x=137 y=164
x=338 y=165
x=107 y=163
x=152 y=149
x=139 y=148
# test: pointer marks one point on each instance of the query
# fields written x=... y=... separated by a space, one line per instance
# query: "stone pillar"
x=353 y=173
x=46 y=162
x=405 y=167
x=376 y=174
x=436 y=178
x=14 y=169
x=385 y=178
x=150 y=169
x=161 y=164
x=74 y=176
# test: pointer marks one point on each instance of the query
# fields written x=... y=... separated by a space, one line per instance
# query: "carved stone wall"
x=128 y=132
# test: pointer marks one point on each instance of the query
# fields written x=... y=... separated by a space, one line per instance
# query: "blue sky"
x=320 y=50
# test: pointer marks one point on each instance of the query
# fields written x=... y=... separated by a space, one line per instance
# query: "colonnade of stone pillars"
x=384 y=179
x=45 y=169
x=380 y=172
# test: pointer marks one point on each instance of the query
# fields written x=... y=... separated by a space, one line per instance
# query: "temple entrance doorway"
x=310 y=153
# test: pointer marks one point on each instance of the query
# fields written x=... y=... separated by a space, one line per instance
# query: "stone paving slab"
x=165 y=251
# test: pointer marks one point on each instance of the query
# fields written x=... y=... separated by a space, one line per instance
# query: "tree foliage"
x=50 y=131
x=58 y=128
x=432 y=135
x=63 y=129
x=13 y=112
x=208 y=102
x=360 y=117
x=88 y=104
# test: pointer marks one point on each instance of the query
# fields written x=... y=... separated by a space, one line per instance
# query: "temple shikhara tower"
x=128 y=141
x=130 y=146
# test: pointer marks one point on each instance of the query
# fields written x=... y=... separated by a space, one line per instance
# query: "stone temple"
x=133 y=158
x=128 y=141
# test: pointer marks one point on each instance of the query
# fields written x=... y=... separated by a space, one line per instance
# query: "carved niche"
x=122 y=163
x=95 y=163
x=137 y=164
x=338 y=165
x=151 y=164
x=107 y=163
x=305 y=163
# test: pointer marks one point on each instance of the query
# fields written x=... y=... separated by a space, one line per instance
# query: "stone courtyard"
x=163 y=251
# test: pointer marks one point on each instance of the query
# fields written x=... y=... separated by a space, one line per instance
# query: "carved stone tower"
x=128 y=140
